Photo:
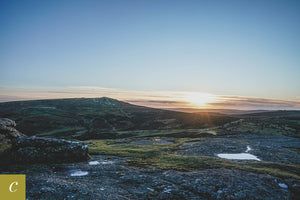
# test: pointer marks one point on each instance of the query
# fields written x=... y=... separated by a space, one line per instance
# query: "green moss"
x=108 y=147
x=265 y=126
x=124 y=149
x=4 y=147
x=163 y=133
x=62 y=131
x=191 y=163
x=152 y=156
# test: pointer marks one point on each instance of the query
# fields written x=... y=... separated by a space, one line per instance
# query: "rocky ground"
x=106 y=177
x=155 y=167
x=270 y=148
x=112 y=177
x=8 y=131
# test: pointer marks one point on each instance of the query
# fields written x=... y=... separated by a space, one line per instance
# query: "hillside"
x=223 y=111
x=170 y=152
x=85 y=118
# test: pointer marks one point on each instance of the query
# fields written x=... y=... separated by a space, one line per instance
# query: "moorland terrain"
x=146 y=153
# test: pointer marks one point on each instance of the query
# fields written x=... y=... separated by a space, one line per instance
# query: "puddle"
x=78 y=172
x=238 y=156
x=94 y=163
x=107 y=162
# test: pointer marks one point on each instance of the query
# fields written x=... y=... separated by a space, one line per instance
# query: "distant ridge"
x=223 y=111
x=103 y=117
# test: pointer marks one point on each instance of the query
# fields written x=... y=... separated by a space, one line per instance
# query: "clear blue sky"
x=248 y=48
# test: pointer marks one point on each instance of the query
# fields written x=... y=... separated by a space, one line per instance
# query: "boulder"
x=47 y=150
x=8 y=131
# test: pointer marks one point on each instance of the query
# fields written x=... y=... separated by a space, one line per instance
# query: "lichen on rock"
x=48 y=150
x=8 y=131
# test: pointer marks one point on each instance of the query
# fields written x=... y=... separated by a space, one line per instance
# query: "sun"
x=199 y=99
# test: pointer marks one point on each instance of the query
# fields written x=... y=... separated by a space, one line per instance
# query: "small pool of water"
x=238 y=156
x=94 y=163
x=107 y=162
x=78 y=172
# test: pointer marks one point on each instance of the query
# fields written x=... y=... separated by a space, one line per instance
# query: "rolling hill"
x=85 y=118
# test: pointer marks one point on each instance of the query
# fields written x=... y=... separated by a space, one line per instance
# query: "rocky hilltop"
x=8 y=131
x=16 y=148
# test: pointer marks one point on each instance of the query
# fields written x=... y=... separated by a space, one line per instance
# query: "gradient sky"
x=238 y=48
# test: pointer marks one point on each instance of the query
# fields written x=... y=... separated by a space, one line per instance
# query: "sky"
x=190 y=53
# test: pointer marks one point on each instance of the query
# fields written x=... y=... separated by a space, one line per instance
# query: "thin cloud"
x=158 y=99
x=247 y=103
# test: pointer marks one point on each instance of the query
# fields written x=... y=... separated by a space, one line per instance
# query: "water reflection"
x=78 y=172
x=238 y=156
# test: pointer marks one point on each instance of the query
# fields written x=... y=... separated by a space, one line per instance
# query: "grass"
x=162 y=156
x=191 y=163
x=109 y=147
x=124 y=149
x=265 y=126
x=153 y=133
x=63 y=132
x=4 y=147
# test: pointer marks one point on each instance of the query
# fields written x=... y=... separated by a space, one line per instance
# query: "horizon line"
x=155 y=99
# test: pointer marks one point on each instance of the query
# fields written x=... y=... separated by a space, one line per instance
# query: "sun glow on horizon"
x=200 y=99
x=155 y=99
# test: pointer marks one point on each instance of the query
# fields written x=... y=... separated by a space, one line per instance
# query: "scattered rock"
x=278 y=148
x=48 y=150
x=282 y=185
x=8 y=131
x=106 y=182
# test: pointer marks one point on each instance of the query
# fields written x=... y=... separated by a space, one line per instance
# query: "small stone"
x=46 y=189
x=282 y=185
x=150 y=189
x=167 y=190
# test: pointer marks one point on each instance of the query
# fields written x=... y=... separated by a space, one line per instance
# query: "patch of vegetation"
x=191 y=163
x=101 y=118
x=124 y=149
x=67 y=132
x=282 y=126
x=4 y=147
x=162 y=156
x=293 y=149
